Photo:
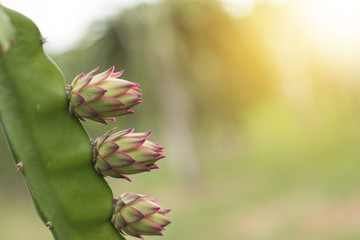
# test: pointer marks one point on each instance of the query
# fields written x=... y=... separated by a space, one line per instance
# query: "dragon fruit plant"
x=63 y=170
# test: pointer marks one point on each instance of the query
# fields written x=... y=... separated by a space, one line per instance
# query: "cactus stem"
x=20 y=167
x=71 y=200
x=29 y=187
x=49 y=224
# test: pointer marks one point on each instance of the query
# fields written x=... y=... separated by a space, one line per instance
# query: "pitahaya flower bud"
x=138 y=215
x=103 y=96
x=125 y=152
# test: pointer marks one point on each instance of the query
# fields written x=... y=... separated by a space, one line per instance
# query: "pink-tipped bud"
x=137 y=215
x=125 y=152
x=103 y=96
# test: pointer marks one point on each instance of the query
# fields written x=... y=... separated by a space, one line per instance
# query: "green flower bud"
x=125 y=152
x=137 y=215
x=102 y=97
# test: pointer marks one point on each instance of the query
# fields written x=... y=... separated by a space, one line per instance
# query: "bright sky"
x=332 y=23
x=64 y=22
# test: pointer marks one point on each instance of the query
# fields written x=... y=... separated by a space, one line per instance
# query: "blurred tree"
x=197 y=65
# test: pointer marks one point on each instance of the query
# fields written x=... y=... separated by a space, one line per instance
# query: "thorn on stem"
x=20 y=167
x=49 y=224
x=68 y=89
x=44 y=40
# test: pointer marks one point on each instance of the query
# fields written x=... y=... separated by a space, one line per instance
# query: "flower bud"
x=125 y=152
x=137 y=215
x=103 y=96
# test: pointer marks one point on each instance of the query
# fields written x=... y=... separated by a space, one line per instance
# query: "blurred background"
x=256 y=102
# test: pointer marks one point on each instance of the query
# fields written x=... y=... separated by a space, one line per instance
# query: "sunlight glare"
x=333 y=23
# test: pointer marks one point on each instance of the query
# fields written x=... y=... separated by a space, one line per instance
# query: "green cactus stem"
x=50 y=147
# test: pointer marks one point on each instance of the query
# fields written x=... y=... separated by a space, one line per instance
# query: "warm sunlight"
x=332 y=23
x=254 y=103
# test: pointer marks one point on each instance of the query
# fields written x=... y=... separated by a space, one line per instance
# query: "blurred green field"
x=248 y=157
x=281 y=183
